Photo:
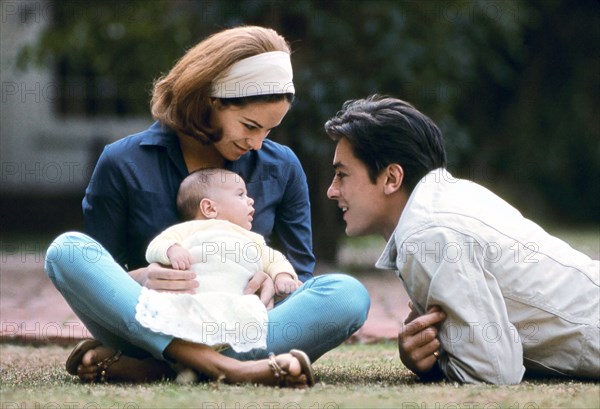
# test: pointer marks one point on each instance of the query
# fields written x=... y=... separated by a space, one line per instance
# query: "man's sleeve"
x=444 y=268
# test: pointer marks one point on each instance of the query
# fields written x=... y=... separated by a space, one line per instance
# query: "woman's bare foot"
x=125 y=369
x=283 y=370
x=291 y=370
x=287 y=370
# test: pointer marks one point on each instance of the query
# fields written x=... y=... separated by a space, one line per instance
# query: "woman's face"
x=245 y=128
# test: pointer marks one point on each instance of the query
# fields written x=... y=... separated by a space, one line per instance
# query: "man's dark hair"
x=384 y=130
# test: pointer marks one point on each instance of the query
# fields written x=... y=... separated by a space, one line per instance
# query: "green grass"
x=351 y=376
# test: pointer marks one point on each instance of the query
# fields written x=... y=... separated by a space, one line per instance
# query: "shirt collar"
x=159 y=135
x=387 y=259
x=416 y=210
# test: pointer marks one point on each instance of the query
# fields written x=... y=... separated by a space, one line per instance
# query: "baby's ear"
x=207 y=208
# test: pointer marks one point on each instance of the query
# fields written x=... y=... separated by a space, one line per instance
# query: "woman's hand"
x=417 y=340
x=159 y=278
x=262 y=285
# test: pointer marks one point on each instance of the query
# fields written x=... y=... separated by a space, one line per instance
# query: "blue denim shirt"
x=132 y=194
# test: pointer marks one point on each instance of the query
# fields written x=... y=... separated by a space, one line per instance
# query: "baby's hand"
x=285 y=284
x=180 y=258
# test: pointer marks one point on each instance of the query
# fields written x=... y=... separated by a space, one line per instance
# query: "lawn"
x=351 y=376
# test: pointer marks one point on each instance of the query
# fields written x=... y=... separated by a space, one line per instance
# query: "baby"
x=218 y=245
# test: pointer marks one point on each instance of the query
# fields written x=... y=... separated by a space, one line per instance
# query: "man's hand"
x=417 y=340
x=180 y=257
x=262 y=285
x=159 y=278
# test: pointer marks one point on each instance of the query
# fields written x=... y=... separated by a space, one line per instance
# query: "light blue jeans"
x=316 y=318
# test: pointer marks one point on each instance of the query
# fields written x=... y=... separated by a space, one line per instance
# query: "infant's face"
x=233 y=203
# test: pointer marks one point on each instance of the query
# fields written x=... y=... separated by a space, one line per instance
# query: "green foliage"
x=513 y=84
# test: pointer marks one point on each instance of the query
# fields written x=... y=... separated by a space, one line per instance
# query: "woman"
x=213 y=109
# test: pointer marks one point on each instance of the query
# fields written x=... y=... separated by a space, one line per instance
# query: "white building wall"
x=39 y=151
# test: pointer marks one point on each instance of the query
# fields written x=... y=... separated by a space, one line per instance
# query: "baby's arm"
x=159 y=248
x=180 y=257
x=280 y=270
x=285 y=284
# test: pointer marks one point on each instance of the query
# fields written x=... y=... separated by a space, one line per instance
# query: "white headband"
x=261 y=74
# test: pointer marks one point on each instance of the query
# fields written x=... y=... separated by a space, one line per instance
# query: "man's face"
x=361 y=201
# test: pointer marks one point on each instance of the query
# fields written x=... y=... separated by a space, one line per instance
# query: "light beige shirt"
x=516 y=297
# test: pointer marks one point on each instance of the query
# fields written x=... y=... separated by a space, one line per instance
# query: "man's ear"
x=393 y=178
x=208 y=208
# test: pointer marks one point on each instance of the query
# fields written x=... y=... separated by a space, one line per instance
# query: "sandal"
x=281 y=374
x=76 y=356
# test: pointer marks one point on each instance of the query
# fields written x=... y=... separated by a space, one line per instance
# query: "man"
x=493 y=295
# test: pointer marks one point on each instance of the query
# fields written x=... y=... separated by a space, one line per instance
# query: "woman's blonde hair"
x=181 y=99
